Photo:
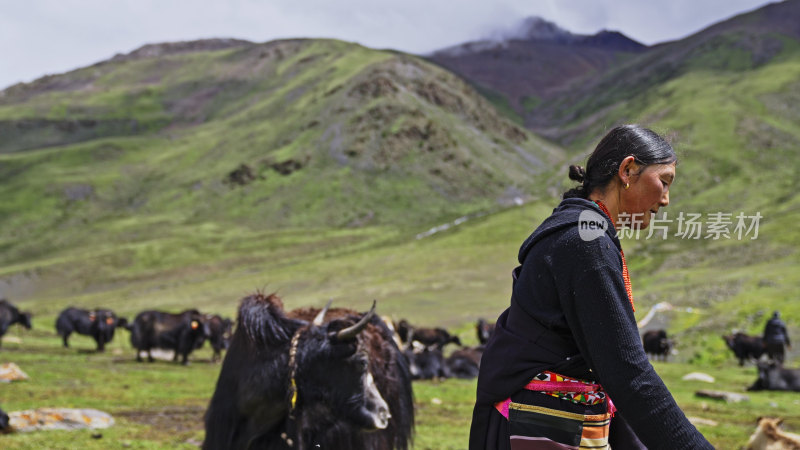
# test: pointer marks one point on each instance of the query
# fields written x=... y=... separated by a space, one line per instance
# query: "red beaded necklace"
x=625 y=276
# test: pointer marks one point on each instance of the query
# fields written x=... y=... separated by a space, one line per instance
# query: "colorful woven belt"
x=565 y=388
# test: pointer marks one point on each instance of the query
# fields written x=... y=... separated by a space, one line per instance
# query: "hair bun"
x=577 y=173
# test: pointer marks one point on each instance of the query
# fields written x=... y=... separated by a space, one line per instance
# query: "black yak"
x=745 y=347
x=656 y=344
x=220 y=331
x=100 y=324
x=181 y=333
x=425 y=363
x=404 y=330
x=428 y=337
x=464 y=362
x=9 y=315
x=773 y=377
x=288 y=381
x=434 y=337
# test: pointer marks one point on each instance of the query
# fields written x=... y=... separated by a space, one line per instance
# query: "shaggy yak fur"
x=337 y=355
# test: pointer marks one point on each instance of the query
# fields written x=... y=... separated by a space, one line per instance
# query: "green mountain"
x=295 y=127
x=225 y=133
x=741 y=44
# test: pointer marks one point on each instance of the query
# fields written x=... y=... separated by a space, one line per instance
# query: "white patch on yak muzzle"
x=376 y=405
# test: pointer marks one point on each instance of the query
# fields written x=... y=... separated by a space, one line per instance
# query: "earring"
x=627 y=185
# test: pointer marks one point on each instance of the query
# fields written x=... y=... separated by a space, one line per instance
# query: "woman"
x=568 y=345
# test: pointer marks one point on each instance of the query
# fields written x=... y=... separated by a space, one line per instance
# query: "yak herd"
x=181 y=333
x=768 y=359
x=319 y=378
x=771 y=373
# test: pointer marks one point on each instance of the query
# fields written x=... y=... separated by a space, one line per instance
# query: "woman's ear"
x=627 y=168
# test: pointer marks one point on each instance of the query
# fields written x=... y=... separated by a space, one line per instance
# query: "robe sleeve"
x=598 y=312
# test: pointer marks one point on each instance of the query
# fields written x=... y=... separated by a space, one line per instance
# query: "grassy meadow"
x=449 y=279
x=161 y=404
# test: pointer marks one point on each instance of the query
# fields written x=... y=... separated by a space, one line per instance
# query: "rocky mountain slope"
x=534 y=61
x=294 y=133
x=740 y=45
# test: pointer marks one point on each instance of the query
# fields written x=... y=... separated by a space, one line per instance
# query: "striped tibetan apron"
x=557 y=412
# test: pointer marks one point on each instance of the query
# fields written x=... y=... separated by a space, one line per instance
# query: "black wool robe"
x=570 y=314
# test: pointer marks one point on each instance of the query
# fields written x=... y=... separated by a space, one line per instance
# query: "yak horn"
x=351 y=331
x=321 y=315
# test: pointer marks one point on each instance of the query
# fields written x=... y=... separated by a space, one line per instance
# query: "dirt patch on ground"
x=171 y=420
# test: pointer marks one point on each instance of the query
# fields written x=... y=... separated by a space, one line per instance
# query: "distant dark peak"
x=613 y=40
x=538 y=29
x=168 y=48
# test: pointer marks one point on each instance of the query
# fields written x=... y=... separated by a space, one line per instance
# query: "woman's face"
x=648 y=191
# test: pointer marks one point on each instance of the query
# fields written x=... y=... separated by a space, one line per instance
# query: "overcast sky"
x=39 y=37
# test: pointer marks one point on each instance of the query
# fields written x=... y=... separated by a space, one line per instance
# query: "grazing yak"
x=181 y=333
x=428 y=363
x=464 y=362
x=769 y=437
x=303 y=380
x=100 y=324
x=9 y=315
x=656 y=344
x=773 y=377
x=404 y=330
x=434 y=337
x=485 y=330
x=220 y=331
x=428 y=337
x=425 y=363
x=745 y=347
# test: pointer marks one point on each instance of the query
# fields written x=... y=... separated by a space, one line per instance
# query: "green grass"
x=158 y=405
x=502 y=104
x=161 y=404
x=447 y=279
x=212 y=264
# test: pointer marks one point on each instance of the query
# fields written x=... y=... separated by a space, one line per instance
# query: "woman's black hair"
x=646 y=147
